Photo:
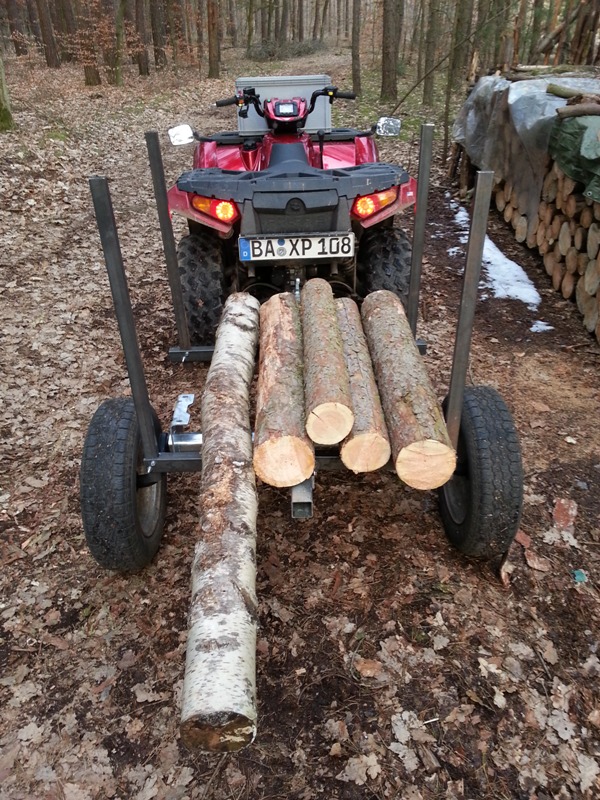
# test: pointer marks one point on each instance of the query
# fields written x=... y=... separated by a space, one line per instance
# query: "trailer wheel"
x=385 y=260
x=200 y=260
x=481 y=504
x=123 y=517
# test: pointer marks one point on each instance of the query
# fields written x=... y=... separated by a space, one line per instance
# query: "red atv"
x=287 y=198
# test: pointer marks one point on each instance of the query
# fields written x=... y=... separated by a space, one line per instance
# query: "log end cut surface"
x=329 y=423
x=365 y=452
x=286 y=461
x=427 y=464
x=224 y=734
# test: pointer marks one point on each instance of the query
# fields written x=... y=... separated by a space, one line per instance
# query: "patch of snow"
x=505 y=278
x=539 y=326
x=455 y=251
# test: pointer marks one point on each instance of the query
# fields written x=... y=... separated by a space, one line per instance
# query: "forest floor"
x=389 y=666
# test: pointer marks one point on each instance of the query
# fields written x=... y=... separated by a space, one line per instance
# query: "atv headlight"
x=223 y=210
x=370 y=204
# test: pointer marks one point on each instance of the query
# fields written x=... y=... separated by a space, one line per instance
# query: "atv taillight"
x=370 y=204
x=223 y=210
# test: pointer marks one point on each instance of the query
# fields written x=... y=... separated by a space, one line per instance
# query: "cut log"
x=586 y=217
x=329 y=415
x=593 y=240
x=549 y=187
x=367 y=448
x=283 y=453
x=421 y=449
x=591 y=279
x=568 y=285
x=508 y=212
x=218 y=697
x=574 y=204
x=550 y=262
x=565 y=240
x=596 y=209
x=583 y=299
x=499 y=200
x=521 y=228
x=571 y=260
x=540 y=235
x=582 y=262
x=557 y=276
x=556 y=225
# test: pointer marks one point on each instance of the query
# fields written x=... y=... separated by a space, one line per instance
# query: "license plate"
x=339 y=245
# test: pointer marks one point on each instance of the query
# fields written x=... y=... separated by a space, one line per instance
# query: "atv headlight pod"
x=370 y=204
x=223 y=210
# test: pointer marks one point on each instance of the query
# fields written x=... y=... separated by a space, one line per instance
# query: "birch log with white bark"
x=219 y=689
x=367 y=448
x=284 y=455
x=421 y=450
x=329 y=415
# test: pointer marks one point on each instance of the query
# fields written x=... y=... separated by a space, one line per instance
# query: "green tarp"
x=575 y=146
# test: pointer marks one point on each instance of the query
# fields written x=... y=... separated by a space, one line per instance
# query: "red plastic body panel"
x=360 y=150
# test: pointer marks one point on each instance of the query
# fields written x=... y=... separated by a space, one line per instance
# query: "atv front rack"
x=182 y=452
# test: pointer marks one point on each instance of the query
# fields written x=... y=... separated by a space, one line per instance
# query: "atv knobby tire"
x=481 y=504
x=385 y=260
x=200 y=261
x=123 y=518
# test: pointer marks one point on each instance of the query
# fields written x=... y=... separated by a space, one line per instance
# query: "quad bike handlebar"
x=249 y=97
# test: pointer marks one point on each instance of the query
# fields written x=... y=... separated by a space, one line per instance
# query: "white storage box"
x=285 y=87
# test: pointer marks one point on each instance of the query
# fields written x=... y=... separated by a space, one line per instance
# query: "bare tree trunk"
x=536 y=29
x=232 y=24
x=157 y=23
x=6 y=119
x=300 y=20
x=431 y=42
x=34 y=22
x=393 y=16
x=15 y=24
x=87 y=54
x=212 y=11
x=356 y=78
x=140 y=24
x=282 y=32
x=48 y=38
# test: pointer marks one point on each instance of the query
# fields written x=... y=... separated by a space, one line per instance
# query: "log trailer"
x=337 y=387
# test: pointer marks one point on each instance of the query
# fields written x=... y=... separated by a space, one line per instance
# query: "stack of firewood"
x=566 y=233
x=326 y=378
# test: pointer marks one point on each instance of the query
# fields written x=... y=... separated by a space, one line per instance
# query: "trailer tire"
x=481 y=504
x=385 y=261
x=122 y=520
x=200 y=261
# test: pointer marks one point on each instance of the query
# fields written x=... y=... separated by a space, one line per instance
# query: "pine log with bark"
x=329 y=415
x=367 y=448
x=283 y=453
x=219 y=689
x=421 y=450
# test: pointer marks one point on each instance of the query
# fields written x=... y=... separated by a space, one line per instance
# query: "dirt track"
x=388 y=665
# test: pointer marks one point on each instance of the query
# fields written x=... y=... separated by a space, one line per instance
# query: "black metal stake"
x=166 y=230
x=425 y=152
x=466 y=315
x=122 y=302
